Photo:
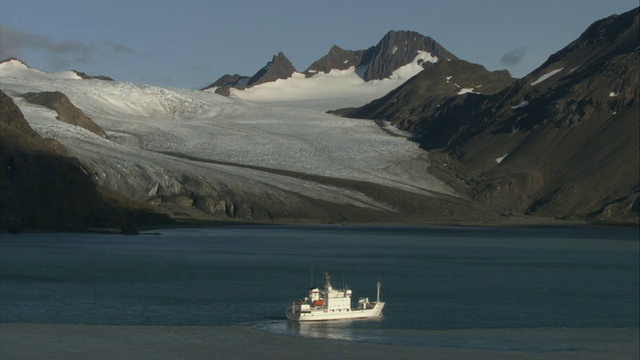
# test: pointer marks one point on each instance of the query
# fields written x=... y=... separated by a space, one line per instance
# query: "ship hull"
x=334 y=315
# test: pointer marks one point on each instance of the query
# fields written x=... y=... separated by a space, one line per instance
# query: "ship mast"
x=378 y=286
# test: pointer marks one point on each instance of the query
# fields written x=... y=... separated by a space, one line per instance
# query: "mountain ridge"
x=394 y=50
x=560 y=142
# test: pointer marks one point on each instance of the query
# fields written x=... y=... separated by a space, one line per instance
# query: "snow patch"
x=499 y=160
x=466 y=91
x=410 y=70
x=613 y=94
x=521 y=105
x=546 y=76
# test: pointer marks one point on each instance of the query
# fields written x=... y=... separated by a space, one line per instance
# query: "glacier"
x=180 y=142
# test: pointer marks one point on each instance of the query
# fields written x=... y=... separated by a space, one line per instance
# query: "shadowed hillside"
x=42 y=188
x=561 y=142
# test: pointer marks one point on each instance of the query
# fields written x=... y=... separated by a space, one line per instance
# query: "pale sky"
x=191 y=43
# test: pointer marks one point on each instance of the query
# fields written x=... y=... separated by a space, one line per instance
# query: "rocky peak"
x=67 y=112
x=278 y=68
x=85 y=76
x=399 y=48
x=223 y=85
x=396 y=49
x=338 y=59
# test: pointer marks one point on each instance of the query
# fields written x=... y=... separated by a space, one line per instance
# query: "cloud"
x=514 y=56
x=60 y=54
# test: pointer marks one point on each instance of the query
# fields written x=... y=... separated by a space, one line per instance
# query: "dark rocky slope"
x=426 y=92
x=561 y=142
x=278 y=68
x=42 y=188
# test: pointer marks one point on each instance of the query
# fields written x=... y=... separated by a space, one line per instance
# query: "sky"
x=191 y=43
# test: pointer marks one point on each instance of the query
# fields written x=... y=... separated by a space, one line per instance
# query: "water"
x=433 y=278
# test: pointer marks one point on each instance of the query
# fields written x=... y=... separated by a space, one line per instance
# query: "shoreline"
x=74 y=341
x=152 y=229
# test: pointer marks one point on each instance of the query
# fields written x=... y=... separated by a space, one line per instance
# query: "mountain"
x=343 y=76
x=427 y=91
x=337 y=59
x=278 y=68
x=561 y=142
x=399 y=48
x=396 y=49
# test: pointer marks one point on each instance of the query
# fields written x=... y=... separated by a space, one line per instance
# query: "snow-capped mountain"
x=342 y=78
x=197 y=154
x=562 y=141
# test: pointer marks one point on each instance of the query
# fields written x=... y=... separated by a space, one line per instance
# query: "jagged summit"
x=278 y=68
x=395 y=50
x=337 y=59
x=398 y=48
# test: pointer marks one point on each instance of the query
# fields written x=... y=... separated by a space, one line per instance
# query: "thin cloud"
x=61 y=54
x=513 y=57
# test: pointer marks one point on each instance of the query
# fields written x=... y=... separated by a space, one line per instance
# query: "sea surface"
x=433 y=278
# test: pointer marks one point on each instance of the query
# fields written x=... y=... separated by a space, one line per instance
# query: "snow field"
x=333 y=90
x=546 y=76
x=142 y=120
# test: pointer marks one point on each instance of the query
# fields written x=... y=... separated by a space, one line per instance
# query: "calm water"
x=432 y=277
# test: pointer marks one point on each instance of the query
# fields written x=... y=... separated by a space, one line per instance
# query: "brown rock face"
x=67 y=112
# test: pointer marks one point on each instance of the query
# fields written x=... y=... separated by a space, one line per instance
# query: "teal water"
x=432 y=277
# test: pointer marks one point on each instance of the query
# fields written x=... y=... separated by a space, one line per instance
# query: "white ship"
x=333 y=304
